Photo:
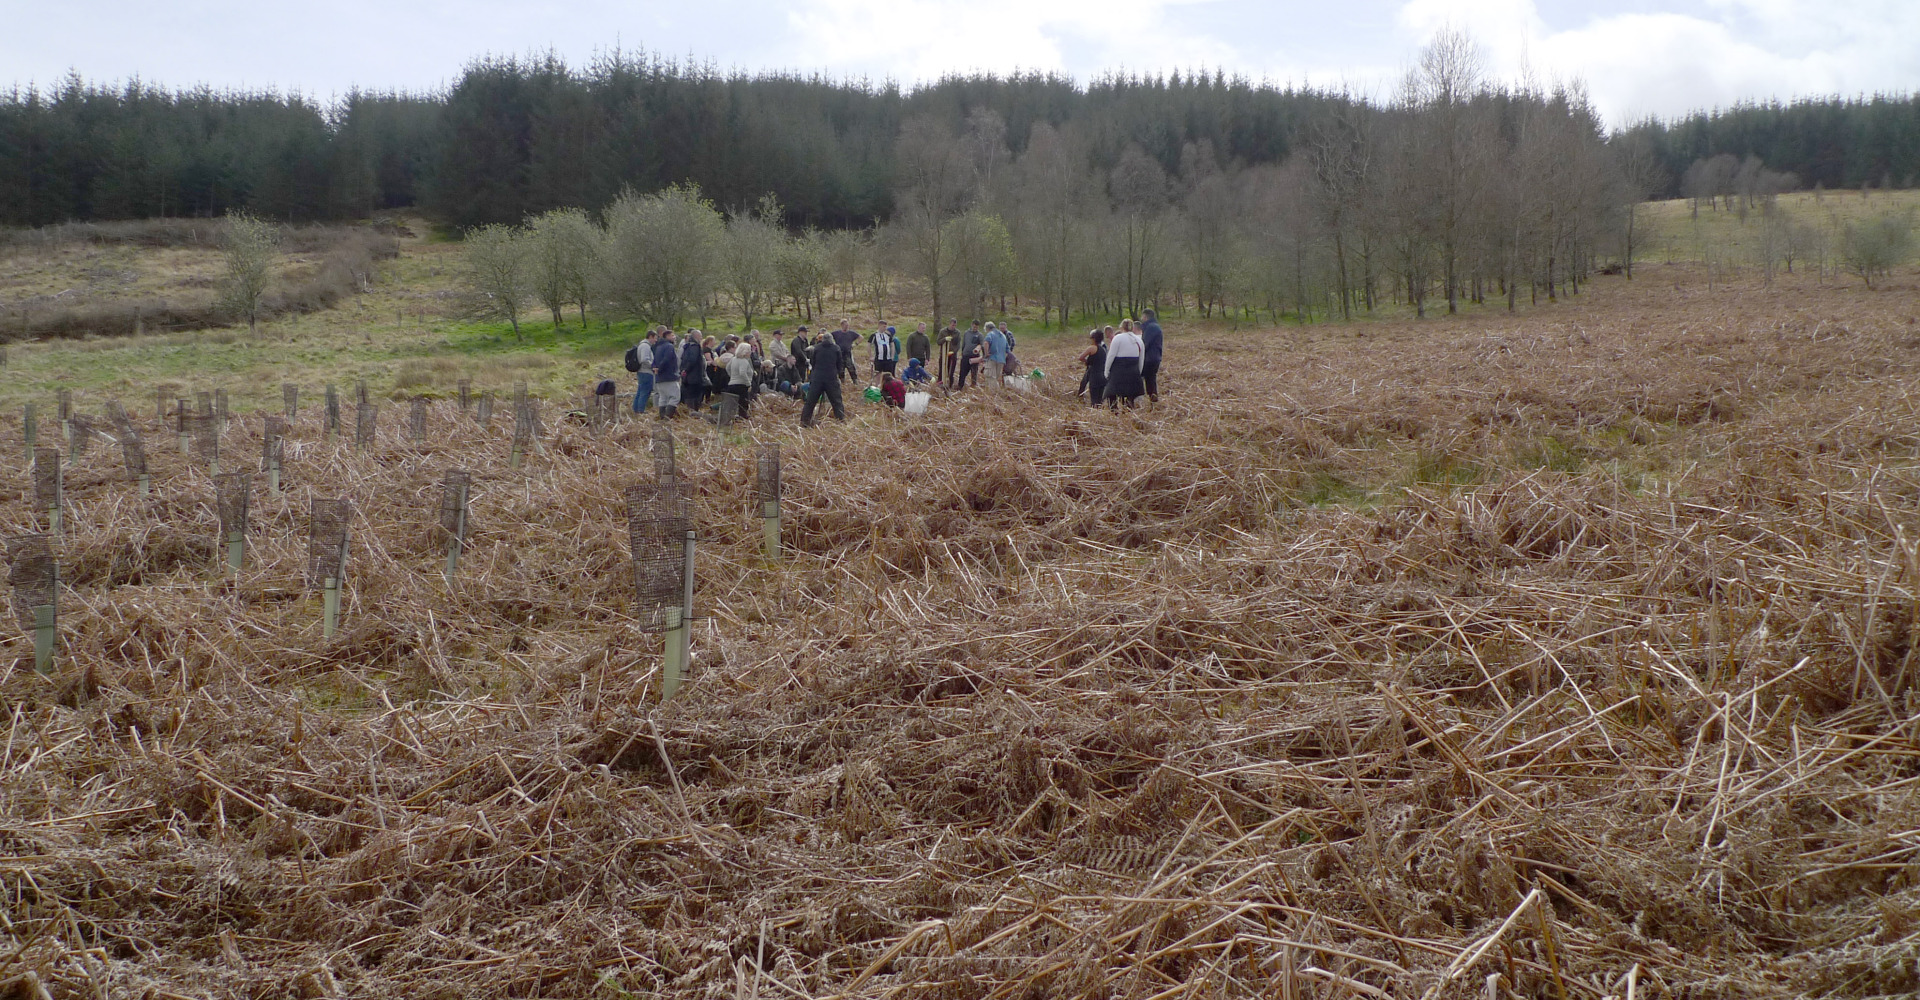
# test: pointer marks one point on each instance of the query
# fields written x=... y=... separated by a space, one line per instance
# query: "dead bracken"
x=1567 y=655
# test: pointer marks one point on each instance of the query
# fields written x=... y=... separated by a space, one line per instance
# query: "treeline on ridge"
x=517 y=137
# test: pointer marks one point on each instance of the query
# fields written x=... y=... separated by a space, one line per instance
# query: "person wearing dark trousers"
x=694 y=384
x=1093 y=381
x=970 y=344
x=1151 y=339
x=640 y=362
x=1124 y=351
x=740 y=375
x=825 y=381
x=950 y=353
x=801 y=351
x=918 y=346
x=885 y=345
x=844 y=339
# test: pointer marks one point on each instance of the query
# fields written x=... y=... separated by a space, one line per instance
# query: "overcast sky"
x=1637 y=57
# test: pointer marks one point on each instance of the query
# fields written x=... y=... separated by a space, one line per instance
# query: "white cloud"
x=1636 y=63
x=919 y=40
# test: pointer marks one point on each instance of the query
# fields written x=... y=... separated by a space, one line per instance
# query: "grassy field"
x=1565 y=654
x=1734 y=242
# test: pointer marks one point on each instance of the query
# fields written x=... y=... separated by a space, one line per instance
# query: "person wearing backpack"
x=640 y=363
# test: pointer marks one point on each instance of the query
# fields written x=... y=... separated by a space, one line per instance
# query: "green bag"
x=873 y=394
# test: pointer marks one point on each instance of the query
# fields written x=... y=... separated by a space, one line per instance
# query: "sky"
x=1635 y=57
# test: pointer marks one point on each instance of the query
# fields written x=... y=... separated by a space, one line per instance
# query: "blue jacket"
x=1150 y=337
x=666 y=362
x=997 y=346
x=916 y=372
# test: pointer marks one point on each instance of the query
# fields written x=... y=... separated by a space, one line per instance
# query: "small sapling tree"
x=250 y=246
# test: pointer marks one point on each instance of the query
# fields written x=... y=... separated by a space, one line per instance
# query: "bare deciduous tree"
x=497 y=273
x=250 y=246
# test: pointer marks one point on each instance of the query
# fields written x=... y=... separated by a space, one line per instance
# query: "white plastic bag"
x=917 y=402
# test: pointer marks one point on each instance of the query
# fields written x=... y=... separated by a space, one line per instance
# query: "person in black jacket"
x=693 y=373
x=825 y=381
x=802 y=351
x=918 y=346
x=1151 y=336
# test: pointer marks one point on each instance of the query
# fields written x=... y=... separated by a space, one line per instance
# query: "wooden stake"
x=45 y=633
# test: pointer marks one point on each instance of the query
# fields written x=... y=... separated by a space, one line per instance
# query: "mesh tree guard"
x=47 y=487
x=232 y=494
x=79 y=436
x=360 y=397
x=132 y=448
x=609 y=409
x=203 y=403
x=220 y=405
x=273 y=444
x=65 y=405
x=183 y=417
x=522 y=427
x=417 y=419
x=596 y=414
x=327 y=534
x=29 y=428
x=519 y=396
x=160 y=404
x=333 y=410
x=33 y=576
x=453 y=504
x=727 y=410
x=483 y=413
x=364 y=424
x=205 y=428
x=664 y=468
x=657 y=525
x=466 y=393
x=289 y=400
x=766 y=468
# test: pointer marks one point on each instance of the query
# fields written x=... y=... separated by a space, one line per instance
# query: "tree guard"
x=34 y=578
x=417 y=419
x=522 y=432
x=132 y=448
x=360 y=397
x=727 y=410
x=766 y=468
x=205 y=428
x=220 y=406
x=79 y=436
x=333 y=411
x=660 y=538
x=327 y=538
x=49 y=485
x=182 y=422
x=664 y=468
x=364 y=425
x=466 y=393
x=483 y=412
x=273 y=451
x=232 y=495
x=289 y=400
x=453 y=515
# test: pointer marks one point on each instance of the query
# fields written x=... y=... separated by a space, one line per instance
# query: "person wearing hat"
x=802 y=351
x=825 y=381
x=916 y=374
x=886 y=350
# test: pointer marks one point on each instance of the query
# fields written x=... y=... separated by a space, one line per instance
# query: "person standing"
x=996 y=357
x=886 y=350
x=950 y=353
x=824 y=382
x=969 y=356
x=918 y=346
x=844 y=339
x=666 y=376
x=1093 y=382
x=694 y=384
x=1123 y=368
x=1151 y=340
x=640 y=362
x=740 y=375
x=801 y=351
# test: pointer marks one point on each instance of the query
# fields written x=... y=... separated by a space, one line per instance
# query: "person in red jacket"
x=894 y=390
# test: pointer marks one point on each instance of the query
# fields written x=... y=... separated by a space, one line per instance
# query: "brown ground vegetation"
x=1569 y=655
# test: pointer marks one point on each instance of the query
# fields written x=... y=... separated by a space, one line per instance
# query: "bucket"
x=917 y=402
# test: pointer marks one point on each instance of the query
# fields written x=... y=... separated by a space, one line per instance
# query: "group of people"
x=1123 y=365
x=692 y=369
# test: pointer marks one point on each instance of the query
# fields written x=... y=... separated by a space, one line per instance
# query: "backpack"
x=633 y=358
